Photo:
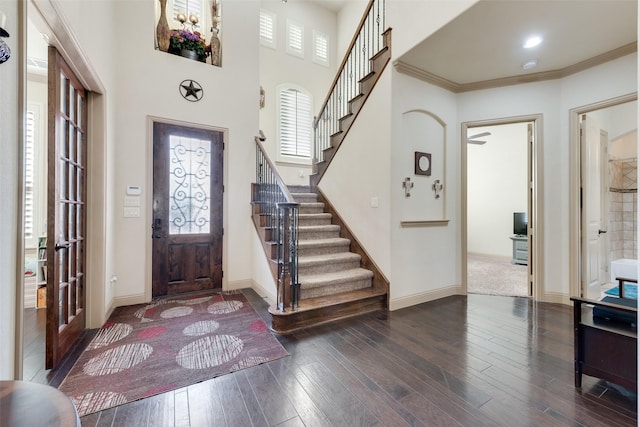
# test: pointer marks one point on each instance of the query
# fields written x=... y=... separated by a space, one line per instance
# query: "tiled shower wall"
x=623 y=214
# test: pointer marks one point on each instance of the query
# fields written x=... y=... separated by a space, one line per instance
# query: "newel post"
x=287 y=256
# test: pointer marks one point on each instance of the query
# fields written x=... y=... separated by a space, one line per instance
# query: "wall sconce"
x=437 y=188
x=407 y=185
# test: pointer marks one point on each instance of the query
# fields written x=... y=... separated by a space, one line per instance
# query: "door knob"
x=157 y=229
x=62 y=245
x=602 y=231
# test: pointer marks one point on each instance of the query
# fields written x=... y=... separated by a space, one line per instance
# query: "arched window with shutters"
x=294 y=124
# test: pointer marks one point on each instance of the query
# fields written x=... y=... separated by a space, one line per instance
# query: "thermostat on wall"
x=134 y=190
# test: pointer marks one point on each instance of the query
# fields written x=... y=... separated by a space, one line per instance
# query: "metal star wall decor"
x=191 y=90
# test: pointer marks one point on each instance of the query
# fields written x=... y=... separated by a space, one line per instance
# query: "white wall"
x=496 y=187
x=278 y=67
x=151 y=90
x=361 y=171
x=414 y=21
x=9 y=184
x=619 y=120
x=348 y=19
x=424 y=260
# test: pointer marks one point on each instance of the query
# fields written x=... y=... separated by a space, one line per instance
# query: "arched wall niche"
x=424 y=148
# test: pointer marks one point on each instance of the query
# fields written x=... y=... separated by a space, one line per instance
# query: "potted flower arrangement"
x=188 y=44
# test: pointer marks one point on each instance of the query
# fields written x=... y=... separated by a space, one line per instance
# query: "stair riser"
x=292 y=321
x=333 y=289
x=307 y=198
x=299 y=188
x=314 y=221
x=323 y=250
x=329 y=267
x=317 y=234
x=310 y=209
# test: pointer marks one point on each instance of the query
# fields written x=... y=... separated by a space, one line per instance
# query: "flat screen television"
x=520 y=223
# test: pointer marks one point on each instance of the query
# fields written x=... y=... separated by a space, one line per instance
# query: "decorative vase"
x=163 y=32
x=215 y=48
x=189 y=54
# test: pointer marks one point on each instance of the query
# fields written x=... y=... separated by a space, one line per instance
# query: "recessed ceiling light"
x=532 y=42
x=529 y=64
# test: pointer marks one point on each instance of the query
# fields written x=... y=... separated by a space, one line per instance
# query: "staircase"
x=332 y=283
x=322 y=272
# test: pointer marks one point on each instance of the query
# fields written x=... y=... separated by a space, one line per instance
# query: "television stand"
x=520 y=249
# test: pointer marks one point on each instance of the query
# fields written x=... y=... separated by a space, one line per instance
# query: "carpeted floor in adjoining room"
x=495 y=275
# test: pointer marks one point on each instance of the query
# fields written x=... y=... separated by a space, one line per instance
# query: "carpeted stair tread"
x=315 y=207
x=320 y=243
x=305 y=197
x=327 y=263
x=314 y=218
x=305 y=261
x=306 y=232
x=338 y=277
x=321 y=227
x=299 y=189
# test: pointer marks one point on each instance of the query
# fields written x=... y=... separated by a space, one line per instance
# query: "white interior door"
x=592 y=263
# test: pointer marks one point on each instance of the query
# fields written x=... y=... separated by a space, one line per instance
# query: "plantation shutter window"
x=320 y=48
x=295 y=124
x=188 y=7
x=295 y=39
x=267 y=28
x=29 y=212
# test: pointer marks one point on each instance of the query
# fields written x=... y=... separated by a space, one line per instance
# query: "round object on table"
x=25 y=403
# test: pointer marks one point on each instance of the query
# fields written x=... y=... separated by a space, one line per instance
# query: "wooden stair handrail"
x=344 y=60
x=279 y=180
x=283 y=217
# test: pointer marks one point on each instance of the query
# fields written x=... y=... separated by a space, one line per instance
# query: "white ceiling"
x=485 y=42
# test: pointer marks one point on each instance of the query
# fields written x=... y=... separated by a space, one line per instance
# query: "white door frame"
x=575 y=223
x=536 y=266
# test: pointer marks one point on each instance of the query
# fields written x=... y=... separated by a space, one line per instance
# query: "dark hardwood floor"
x=471 y=361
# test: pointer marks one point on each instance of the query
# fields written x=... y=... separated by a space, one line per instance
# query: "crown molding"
x=410 y=70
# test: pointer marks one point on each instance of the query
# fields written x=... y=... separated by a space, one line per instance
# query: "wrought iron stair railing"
x=280 y=212
x=369 y=39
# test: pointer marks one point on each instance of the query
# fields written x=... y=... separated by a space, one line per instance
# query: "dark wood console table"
x=604 y=348
x=29 y=404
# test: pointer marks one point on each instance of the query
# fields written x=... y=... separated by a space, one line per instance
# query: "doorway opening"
x=499 y=206
x=604 y=176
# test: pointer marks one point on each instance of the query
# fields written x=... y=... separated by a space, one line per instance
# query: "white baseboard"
x=249 y=283
x=556 y=297
x=239 y=284
x=129 y=300
x=268 y=296
x=408 y=301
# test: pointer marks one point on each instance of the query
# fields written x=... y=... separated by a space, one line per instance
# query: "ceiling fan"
x=472 y=139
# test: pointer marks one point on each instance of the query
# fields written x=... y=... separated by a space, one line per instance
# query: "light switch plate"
x=130 y=212
x=132 y=201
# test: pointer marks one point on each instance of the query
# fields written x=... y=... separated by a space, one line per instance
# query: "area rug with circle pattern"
x=148 y=349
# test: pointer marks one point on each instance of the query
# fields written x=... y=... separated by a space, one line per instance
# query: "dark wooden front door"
x=66 y=209
x=187 y=209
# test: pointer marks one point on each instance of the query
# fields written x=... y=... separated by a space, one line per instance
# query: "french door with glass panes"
x=66 y=209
